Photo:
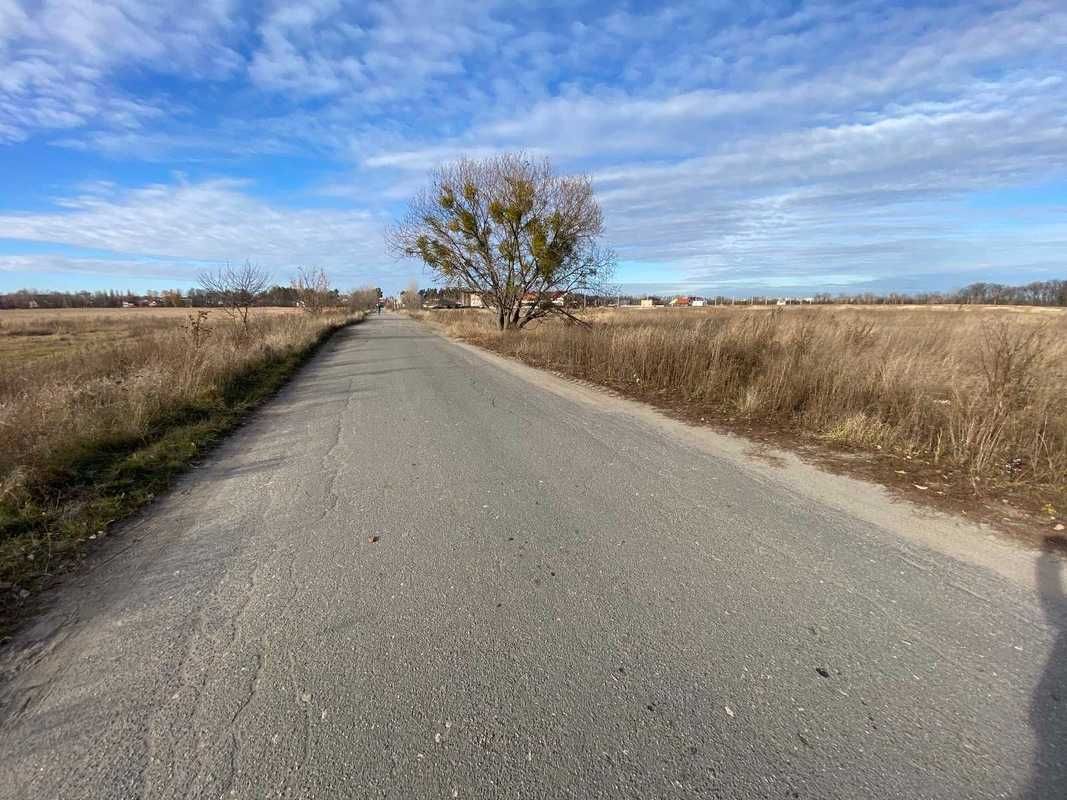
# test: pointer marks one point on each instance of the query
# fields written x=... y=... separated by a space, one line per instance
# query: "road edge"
x=963 y=540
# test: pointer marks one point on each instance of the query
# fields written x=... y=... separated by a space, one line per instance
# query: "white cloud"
x=821 y=123
x=214 y=221
x=60 y=62
x=179 y=272
x=392 y=51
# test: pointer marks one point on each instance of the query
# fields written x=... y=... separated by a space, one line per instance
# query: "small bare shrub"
x=410 y=297
x=1009 y=359
x=313 y=291
x=236 y=289
x=197 y=328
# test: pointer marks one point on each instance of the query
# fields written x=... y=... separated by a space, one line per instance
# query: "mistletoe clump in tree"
x=511 y=231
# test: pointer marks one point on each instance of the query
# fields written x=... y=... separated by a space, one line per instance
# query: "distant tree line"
x=1038 y=293
x=175 y=298
x=285 y=296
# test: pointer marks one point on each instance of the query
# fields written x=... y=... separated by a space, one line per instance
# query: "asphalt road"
x=566 y=596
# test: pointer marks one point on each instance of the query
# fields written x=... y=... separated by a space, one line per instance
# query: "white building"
x=471 y=299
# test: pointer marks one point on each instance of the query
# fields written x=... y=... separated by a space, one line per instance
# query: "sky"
x=769 y=147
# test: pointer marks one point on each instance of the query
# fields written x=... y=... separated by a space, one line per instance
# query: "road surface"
x=423 y=572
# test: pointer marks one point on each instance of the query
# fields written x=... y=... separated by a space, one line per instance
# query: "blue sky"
x=781 y=147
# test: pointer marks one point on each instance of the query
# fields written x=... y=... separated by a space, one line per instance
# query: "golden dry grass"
x=30 y=334
x=100 y=409
x=979 y=394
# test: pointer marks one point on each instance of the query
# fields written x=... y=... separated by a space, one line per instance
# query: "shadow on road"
x=249 y=468
x=1048 y=707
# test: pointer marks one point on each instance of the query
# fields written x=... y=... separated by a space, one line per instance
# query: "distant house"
x=33 y=304
x=127 y=304
x=443 y=302
x=681 y=301
x=698 y=302
x=471 y=300
x=555 y=298
x=646 y=302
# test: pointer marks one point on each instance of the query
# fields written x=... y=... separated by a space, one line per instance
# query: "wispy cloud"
x=214 y=221
x=784 y=142
x=170 y=272
x=383 y=52
x=61 y=61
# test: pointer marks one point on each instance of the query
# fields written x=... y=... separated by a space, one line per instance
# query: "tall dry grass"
x=121 y=402
x=980 y=391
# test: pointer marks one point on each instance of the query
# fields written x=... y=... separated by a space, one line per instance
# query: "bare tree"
x=236 y=289
x=364 y=298
x=510 y=230
x=411 y=298
x=313 y=290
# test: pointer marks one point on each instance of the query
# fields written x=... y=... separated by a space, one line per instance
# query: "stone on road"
x=421 y=571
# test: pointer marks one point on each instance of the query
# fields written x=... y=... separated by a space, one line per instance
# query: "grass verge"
x=96 y=434
x=964 y=409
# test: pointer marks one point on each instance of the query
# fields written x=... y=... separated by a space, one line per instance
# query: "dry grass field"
x=954 y=402
x=29 y=334
x=100 y=409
